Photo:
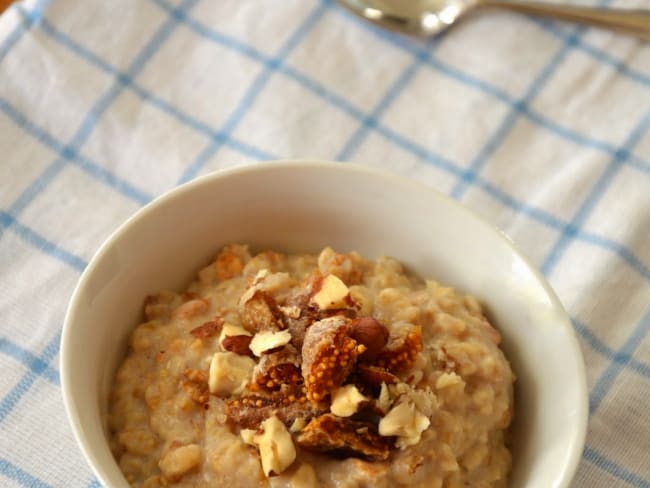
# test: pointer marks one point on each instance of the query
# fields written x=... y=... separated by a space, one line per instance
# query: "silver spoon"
x=430 y=17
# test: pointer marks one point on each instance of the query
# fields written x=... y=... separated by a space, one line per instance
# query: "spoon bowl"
x=431 y=17
x=421 y=17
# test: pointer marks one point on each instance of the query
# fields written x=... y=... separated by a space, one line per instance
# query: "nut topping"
x=275 y=444
x=235 y=339
x=238 y=344
x=229 y=373
x=346 y=401
x=230 y=330
x=333 y=294
x=405 y=422
x=372 y=334
x=268 y=340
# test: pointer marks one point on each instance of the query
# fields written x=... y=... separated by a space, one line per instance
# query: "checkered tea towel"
x=543 y=128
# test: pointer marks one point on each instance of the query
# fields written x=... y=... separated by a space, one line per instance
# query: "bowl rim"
x=65 y=353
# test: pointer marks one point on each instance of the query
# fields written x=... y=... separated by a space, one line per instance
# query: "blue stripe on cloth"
x=443 y=68
x=41 y=243
x=506 y=125
x=598 y=54
x=449 y=166
x=155 y=100
x=23 y=385
x=254 y=91
x=67 y=154
x=270 y=61
x=533 y=116
x=93 y=483
x=22 y=27
x=499 y=94
x=88 y=123
x=621 y=251
x=393 y=92
x=218 y=37
x=614 y=368
x=20 y=476
x=597 y=192
x=28 y=359
x=604 y=350
x=612 y=468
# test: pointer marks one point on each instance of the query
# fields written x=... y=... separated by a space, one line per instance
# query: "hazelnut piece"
x=268 y=339
x=372 y=334
x=346 y=401
x=275 y=444
x=229 y=373
x=405 y=422
x=332 y=294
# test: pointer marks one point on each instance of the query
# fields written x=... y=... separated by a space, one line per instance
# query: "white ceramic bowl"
x=303 y=206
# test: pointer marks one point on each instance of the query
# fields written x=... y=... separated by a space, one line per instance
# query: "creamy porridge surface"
x=303 y=371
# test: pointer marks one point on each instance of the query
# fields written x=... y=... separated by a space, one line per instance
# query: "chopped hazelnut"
x=346 y=401
x=248 y=436
x=332 y=294
x=372 y=334
x=229 y=373
x=298 y=425
x=384 y=401
x=235 y=339
x=405 y=422
x=229 y=330
x=275 y=444
x=267 y=339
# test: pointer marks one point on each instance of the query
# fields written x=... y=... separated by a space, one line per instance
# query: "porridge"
x=312 y=370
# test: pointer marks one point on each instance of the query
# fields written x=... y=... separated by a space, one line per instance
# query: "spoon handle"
x=634 y=22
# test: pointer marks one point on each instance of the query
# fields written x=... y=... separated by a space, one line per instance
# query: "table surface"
x=540 y=127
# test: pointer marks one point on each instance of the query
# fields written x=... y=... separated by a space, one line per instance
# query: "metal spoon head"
x=421 y=17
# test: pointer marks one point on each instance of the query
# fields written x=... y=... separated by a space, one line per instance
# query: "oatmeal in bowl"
x=139 y=399
x=310 y=370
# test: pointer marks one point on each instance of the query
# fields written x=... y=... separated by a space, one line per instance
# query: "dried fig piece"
x=404 y=344
x=289 y=404
x=328 y=356
x=341 y=436
x=277 y=369
x=301 y=313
